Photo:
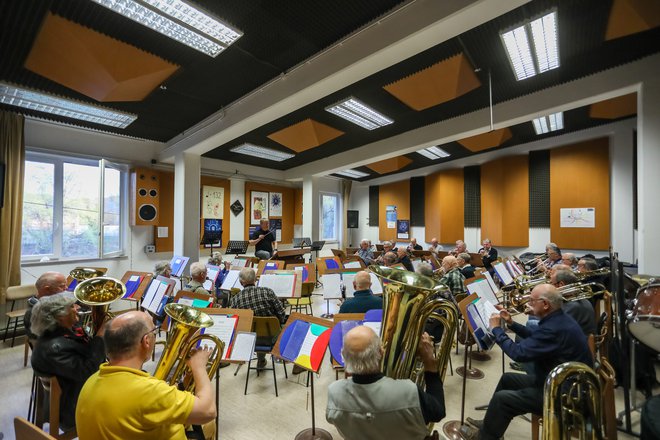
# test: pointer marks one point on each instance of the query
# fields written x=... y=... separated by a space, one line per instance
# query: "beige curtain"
x=12 y=155
x=346 y=195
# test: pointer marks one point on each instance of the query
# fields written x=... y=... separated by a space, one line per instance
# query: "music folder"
x=477 y=311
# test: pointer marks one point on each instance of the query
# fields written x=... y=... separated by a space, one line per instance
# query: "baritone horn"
x=409 y=301
x=99 y=293
x=182 y=340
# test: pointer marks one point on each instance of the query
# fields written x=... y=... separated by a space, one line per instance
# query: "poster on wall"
x=212 y=202
x=403 y=229
x=390 y=216
x=276 y=226
x=259 y=206
x=577 y=217
x=275 y=206
x=212 y=234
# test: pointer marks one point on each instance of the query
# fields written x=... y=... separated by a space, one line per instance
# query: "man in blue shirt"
x=557 y=339
x=363 y=300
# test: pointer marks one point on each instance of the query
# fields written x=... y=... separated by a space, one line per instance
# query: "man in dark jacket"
x=47 y=284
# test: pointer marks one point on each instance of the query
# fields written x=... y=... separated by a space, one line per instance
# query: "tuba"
x=85 y=273
x=182 y=340
x=99 y=293
x=572 y=403
x=409 y=300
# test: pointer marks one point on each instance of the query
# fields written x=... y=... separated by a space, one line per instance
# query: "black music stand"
x=237 y=247
x=301 y=242
x=210 y=238
x=316 y=247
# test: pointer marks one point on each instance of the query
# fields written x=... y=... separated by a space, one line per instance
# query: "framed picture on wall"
x=258 y=206
x=275 y=206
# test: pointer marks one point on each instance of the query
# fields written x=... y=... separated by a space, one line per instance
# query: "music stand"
x=212 y=237
x=301 y=242
x=237 y=247
x=316 y=247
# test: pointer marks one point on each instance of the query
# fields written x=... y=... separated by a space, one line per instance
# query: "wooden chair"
x=305 y=300
x=25 y=430
x=17 y=293
x=267 y=329
x=48 y=390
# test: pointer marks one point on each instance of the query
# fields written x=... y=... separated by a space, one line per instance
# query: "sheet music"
x=352 y=265
x=516 y=268
x=161 y=289
x=211 y=275
x=231 y=280
x=348 y=283
x=509 y=266
x=331 y=286
x=503 y=273
x=283 y=285
x=185 y=301
x=223 y=327
x=482 y=289
x=308 y=343
x=491 y=281
x=243 y=346
x=239 y=262
x=149 y=294
x=375 y=326
x=376 y=286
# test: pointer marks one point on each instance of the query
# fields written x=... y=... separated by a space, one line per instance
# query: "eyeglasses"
x=153 y=330
x=531 y=300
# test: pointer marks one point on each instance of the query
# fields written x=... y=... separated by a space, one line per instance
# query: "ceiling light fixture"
x=433 y=153
x=549 y=123
x=545 y=54
x=41 y=102
x=180 y=21
x=358 y=113
x=352 y=173
x=261 y=152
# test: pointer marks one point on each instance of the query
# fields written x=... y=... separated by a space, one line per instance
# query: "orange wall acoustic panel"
x=444 y=210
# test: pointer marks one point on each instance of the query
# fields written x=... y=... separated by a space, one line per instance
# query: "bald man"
x=369 y=405
x=435 y=247
x=556 y=340
x=363 y=300
x=121 y=401
x=49 y=283
x=452 y=278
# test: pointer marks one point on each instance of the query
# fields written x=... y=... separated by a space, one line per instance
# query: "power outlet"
x=149 y=249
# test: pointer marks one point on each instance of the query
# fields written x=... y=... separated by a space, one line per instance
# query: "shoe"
x=297 y=369
x=516 y=366
x=469 y=432
x=261 y=364
x=475 y=423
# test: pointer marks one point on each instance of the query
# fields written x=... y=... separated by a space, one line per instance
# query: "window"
x=330 y=217
x=72 y=208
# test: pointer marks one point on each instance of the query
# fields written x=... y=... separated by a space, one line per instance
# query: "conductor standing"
x=263 y=240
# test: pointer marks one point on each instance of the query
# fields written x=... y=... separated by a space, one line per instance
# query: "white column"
x=311 y=203
x=621 y=196
x=186 y=205
x=648 y=176
x=237 y=222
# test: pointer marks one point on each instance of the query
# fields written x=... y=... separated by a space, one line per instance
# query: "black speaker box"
x=353 y=219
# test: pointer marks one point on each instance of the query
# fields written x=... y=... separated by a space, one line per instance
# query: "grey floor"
x=261 y=415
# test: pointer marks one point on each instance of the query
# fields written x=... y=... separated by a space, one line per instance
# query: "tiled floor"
x=261 y=415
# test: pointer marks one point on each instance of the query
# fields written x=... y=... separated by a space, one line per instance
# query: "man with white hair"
x=452 y=278
x=369 y=405
x=460 y=248
x=49 y=283
x=198 y=274
x=435 y=247
x=365 y=252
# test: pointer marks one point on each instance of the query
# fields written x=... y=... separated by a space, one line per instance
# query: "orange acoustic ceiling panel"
x=614 y=108
x=389 y=165
x=488 y=140
x=305 y=135
x=94 y=64
x=436 y=84
x=629 y=17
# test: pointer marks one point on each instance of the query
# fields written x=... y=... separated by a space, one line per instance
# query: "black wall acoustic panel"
x=352 y=219
x=539 y=189
x=472 y=196
x=417 y=196
x=373 y=205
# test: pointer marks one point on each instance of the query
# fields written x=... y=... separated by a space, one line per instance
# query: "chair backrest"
x=266 y=326
x=15 y=293
x=52 y=387
x=27 y=431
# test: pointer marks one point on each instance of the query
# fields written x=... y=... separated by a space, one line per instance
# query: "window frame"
x=338 y=217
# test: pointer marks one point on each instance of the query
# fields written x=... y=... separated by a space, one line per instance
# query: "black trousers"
x=515 y=394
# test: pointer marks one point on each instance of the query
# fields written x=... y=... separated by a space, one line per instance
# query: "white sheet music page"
x=491 y=281
x=211 y=275
x=149 y=294
x=283 y=285
x=185 y=301
x=243 y=346
x=482 y=289
x=308 y=343
x=348 y=283
x=352 y=265
x=376 y=285
x=231 y=280
x=158 y=297
x=239 y=262
x=503 y=273
x=223 y=327
x=486 y=309
x=331 y=286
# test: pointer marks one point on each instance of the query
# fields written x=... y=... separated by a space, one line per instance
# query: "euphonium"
x=99 y=293
x=187 y=321
x=578 y=291
x=572 y=403
x=409 y=300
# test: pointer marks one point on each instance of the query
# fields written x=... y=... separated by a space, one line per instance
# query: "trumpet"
x=99 y=293
x=182 y=340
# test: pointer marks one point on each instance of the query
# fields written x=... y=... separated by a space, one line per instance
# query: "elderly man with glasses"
x=122 y=401
x=556 y=340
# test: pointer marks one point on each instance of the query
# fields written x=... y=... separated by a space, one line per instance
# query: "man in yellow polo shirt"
x=121 y=401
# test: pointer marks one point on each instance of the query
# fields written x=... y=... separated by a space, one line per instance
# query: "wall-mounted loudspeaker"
x=353 y=219
x=145 y=196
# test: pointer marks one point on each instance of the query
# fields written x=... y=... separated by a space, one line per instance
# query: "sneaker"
x=297 y=369
x=475 y=423
x=469 y=432
x=516 y=366
x=261 y=364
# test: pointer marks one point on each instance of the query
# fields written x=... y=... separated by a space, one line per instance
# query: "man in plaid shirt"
x=262 y=301
x=453 y=278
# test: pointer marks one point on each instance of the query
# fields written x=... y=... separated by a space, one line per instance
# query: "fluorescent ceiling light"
x=41 y=102
x=358 y=113
x=352 y=173
x=433 y=153
x=545 y=54
x=178 y=20
x=549 y=123
x=261 y=152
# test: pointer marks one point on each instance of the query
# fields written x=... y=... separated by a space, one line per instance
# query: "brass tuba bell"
x=85 y=273
x=99 y=293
